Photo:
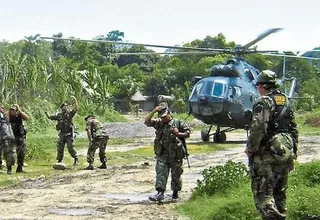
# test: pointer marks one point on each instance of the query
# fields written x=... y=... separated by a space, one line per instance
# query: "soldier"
x=66 y=130
x=98 y=138
x=169 y=150
x=16 y=117
x=271 y=148
x=6 y=140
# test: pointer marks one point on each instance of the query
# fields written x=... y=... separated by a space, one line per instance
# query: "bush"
x=307 y=174
x=221 y=178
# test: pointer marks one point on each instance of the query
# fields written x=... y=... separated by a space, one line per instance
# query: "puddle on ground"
x=130 y=197
x=75 y=212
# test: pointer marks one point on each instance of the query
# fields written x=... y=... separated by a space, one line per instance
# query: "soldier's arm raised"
x=148 y=119
x=76 y=105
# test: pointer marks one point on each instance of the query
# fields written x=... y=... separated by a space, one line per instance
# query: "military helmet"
x=267 y=77
x=89 y=116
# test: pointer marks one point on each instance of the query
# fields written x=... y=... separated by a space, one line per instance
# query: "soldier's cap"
x=164 y=111
x=13 y=107
x=63 y=104
x=267 y=77
x=88 y=116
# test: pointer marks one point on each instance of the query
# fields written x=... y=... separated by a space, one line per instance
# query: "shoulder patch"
x=280 y=99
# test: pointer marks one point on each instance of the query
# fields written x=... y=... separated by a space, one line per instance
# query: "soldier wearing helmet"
x=271 y=147
x=168 y=148
x=98 y=139
x=65 y=128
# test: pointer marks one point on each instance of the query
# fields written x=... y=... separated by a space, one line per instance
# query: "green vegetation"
x=39 y=75
x=308 y=123
x=224 y=193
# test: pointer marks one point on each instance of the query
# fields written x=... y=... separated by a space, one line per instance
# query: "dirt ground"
x=120 y=192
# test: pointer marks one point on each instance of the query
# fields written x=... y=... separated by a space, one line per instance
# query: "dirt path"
x=120 y=192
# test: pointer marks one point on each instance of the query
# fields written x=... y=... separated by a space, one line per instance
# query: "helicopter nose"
x=203 y=100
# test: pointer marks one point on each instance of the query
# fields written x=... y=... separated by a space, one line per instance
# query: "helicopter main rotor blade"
x=138 y=44
x=261 y=36
x=168 y=53
x=291 y=56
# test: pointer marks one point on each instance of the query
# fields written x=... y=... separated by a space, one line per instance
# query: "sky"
x=167 y=22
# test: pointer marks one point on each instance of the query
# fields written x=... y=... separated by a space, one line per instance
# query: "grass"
x=237 y=203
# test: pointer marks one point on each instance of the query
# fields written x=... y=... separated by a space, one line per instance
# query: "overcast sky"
x=168 y=22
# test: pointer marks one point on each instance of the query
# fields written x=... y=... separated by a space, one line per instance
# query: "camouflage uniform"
x=66 y=132
x=169 y=152
x=6 y=142
x=20 y=138
x=271 y=149
x=99 y=139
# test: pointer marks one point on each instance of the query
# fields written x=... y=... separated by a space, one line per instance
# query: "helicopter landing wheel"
x=204 y=135
x=220 y=137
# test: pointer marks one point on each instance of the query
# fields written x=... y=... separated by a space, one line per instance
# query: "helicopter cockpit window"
x=218 y=89
x=197 y=89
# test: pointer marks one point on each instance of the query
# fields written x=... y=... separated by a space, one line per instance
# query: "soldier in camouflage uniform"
x=66 y=130
x=16 y=117
x=169 y=150
x=271 y=148
x=98 y=138
x=6 y=140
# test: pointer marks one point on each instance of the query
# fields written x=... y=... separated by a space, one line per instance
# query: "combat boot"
x=19 y=169
x=9 y=170
x=89 y=167
x=157 y=197
x=76 y=161
x=103 y=166
x=175 y=195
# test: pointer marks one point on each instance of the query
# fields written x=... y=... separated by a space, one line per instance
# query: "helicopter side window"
x=236 y=92
x=217 y=89
x=249 y=75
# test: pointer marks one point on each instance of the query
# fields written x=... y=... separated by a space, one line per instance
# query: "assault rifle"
x=185 y=149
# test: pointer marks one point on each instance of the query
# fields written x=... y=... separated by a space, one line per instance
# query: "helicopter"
x=225 y=98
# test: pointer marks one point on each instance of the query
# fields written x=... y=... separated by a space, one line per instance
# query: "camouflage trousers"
x=163 y=167
x=62 y=140
x=269 y=184
x=7 y=149
x=96 y=143
x=21 y=149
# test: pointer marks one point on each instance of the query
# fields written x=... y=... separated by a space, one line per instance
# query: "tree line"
x=37 y=73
